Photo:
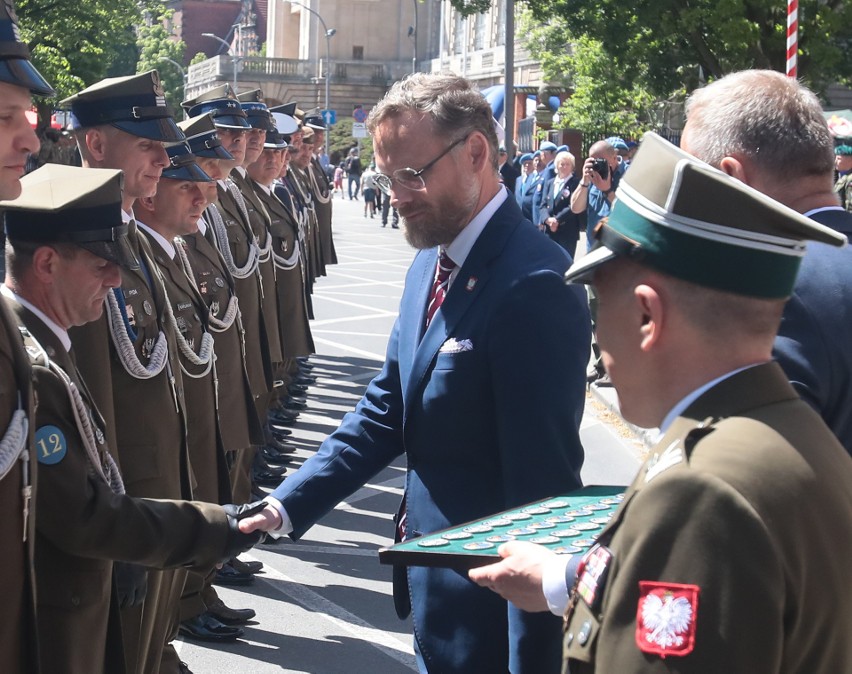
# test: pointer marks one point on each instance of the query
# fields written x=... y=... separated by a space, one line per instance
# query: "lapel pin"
x=471 y=283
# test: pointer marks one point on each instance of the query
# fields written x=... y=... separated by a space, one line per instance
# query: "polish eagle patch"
x=666 y=618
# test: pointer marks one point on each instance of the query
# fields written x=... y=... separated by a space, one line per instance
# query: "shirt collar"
x=127 y=216
x=461 y=246
x=682 y=406
x=811 y=213
x=266 y=188
x=166 y=245
x=61 y=333
x=202 y=226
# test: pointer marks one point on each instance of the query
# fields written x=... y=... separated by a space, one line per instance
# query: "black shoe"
x=277 y=442
x=183 y=668
x=305 y=362
x=230 y=616
x=268 y=478
x=228 y=575
x=281 y=433
x=395 y=226
x=281 y=417
x=274 y=456
x=305 y=379
x=294 y=404
x=297 y=390
x=205 y=627
x=250 y=566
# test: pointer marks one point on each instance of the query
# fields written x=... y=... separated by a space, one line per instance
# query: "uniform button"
x=569 y=638
x=75 y=600
x=584 y=633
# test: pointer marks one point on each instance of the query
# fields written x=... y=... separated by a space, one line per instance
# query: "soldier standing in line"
x=173 y=212
x=843 y=166
x=295 y=329
x=130 y=354
x=18 y=643
x=320 y=189
x=67 y=240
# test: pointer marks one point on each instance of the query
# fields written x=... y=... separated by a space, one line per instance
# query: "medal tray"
x=545 y=522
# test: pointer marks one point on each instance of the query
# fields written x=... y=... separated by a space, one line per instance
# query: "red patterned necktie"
x=439 y=286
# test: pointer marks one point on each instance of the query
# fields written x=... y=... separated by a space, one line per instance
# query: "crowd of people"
x=155 y=345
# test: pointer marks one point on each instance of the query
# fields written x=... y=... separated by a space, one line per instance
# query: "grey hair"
x=452 y=103
x=763 y=115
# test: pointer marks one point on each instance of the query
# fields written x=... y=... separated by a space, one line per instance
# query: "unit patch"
x=50 y=444
x=666 y=618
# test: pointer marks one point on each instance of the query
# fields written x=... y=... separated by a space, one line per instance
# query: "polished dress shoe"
x=279 y=415
x=183 y=668
x=251 y=566
x=228 y=575
x=295 y=389
x=205 y=627
x=269 y=478
x=304 y=380
x=277 y=442
x=272 y=455
x=294 y=404
x=230 y=616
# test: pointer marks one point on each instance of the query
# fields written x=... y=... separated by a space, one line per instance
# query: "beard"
x=440 y=224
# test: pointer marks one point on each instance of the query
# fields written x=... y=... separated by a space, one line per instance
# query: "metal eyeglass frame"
x=385 y=182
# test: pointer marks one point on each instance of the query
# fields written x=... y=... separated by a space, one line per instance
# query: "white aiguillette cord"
x=250 y=267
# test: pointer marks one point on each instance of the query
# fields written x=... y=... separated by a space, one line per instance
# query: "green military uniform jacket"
x=296 y=335
x=200 y=378
x=84 y=524
x=843 y=189
x=237 y=243
x=300 y=181
x=321 y=192
x=18 y=642
x=259 y=221
x=731 y=551
x=238 y=420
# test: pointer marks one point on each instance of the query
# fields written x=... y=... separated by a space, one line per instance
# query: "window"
x=357 y=53
x=479 y=32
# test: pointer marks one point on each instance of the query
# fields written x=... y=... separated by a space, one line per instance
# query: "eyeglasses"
x=408 y=177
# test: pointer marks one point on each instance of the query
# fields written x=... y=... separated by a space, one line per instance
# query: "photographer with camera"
x=596 y=191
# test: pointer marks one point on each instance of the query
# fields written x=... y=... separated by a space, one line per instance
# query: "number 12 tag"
x=50 y=445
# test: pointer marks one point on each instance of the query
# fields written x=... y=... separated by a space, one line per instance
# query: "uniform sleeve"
x=80 y=514
x=366 y=441
x=700 y=549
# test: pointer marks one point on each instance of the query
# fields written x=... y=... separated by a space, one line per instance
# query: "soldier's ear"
x=96 y=141
x=649 y=311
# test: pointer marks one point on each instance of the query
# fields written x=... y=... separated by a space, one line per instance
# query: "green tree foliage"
x=157 y=47
x=340 y=141
x=603 y=100
x=75 y=44
x=676 y=41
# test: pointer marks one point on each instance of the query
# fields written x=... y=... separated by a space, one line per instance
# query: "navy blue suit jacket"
x=484 y=428
x=568 y=233
x=814 y=343
x=538 y=196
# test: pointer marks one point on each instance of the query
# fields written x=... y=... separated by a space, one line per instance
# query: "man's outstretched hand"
x=263 y=519
x=240 y=540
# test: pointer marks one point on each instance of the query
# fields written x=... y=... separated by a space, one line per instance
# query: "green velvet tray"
x=567 y=524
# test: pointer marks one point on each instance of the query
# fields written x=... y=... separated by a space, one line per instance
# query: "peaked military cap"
x=15 y=66
x=275 y=140
x=285 y=123
x=222 y=104
x=182 y=165
x=290 y=108
x=202 y=139
x=313 y=119
x=843 y=150
x=135 y=104
x=683 y=217
x=256 y=111
x=68 y=204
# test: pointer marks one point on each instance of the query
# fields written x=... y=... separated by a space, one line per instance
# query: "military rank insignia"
x=666 y=618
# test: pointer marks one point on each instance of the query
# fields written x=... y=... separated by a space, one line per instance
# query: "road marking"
x=351 y=349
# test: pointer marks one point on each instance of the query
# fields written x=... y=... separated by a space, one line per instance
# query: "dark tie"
x=439 y=286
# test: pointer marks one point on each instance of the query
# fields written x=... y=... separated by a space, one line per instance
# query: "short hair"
x=19 y=256
x=565 y=155
x=765 y=116
x=453 y=104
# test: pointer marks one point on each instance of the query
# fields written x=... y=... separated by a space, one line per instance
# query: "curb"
x=607 y=397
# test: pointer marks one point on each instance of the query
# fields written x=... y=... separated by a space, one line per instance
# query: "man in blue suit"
x=792 y=161
x=482 y=391
x=523 y=193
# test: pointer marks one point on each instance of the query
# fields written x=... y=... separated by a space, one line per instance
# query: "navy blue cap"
x=526 y=157
x=222 y=104
x=182 y=165
x=69 y=204
x=202 y=139
x=15 y=66
x=276 y=141
x=313 y=119
x=256 y=111
x=135 y=104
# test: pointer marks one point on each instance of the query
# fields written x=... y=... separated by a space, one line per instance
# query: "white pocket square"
x=452 y=345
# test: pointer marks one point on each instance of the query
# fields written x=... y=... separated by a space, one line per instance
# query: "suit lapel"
x=470 y=282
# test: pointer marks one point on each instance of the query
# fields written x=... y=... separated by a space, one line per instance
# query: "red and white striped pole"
x=792 y=36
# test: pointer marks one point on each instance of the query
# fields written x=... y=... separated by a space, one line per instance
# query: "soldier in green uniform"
x=320 y=189
x=67 y=226
x=130 y=354
x=843 y=165
x=18 y=80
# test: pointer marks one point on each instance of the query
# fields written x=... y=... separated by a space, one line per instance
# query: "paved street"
x=324 y=604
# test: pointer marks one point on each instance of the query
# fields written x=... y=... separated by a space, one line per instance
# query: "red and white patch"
x=666 y=618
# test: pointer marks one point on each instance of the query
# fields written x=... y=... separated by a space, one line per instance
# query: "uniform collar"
x=61 y=333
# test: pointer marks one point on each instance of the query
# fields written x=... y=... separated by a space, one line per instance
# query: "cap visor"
x=191 y=172
x=22 y=73
x=217 y=152
x=118 y=251
x=583 y=270
x=163 y=129
x=231 y=122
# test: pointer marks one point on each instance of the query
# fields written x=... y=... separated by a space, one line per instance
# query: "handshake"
x=247 y=525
